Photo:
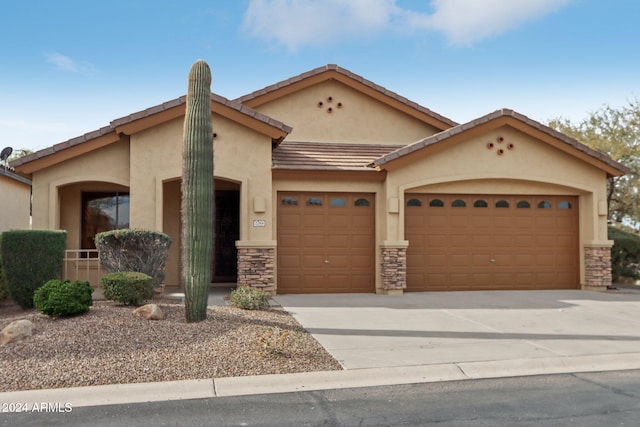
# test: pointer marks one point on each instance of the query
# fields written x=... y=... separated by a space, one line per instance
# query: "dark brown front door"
x=227 y=231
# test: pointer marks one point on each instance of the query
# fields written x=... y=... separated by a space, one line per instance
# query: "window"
x=523 y=204
x=458 y=203
x=564 y=205
x=314 y=201
x=361 y=202
x=289 y=201
x=436 y=203
x=480 y=204
x=338 y=202
x=414 y=202
x=103 y=211
x=502 y=204
x=544 y=205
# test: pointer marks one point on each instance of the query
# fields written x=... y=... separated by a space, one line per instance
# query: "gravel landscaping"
x=110 y=345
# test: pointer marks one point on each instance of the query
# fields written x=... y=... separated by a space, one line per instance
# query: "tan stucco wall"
x=361 y=119
x=16 y=200
x=109 y=164
x=241 y=155
x=469 y=167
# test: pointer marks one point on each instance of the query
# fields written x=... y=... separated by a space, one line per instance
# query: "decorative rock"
x=149 y=312
x=16 y=330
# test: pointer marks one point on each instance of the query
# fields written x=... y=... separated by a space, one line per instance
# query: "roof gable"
x=146 y=119
x=359 y=83
x=518 y=121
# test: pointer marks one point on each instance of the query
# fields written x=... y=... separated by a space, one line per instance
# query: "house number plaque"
x=259 y=223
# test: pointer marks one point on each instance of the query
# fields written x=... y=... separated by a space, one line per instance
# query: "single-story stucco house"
x=15 y=193
x=327 y=182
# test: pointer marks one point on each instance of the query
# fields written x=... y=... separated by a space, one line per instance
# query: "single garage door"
x=481 y=242
x=325 y=242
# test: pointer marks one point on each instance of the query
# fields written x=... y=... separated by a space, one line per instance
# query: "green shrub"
x=127 y=287
x=30 y=258
x=249 y=298
x=625 y=254
x=4 y=292
x=144 y=251
x=63 y=298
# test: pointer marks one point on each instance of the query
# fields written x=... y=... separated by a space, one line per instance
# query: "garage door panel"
x=533 y=248
x=325 y=227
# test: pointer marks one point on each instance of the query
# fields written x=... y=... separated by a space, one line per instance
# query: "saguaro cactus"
x=197 y=193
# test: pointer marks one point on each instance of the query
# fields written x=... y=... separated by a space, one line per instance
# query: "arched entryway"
x=224 y=266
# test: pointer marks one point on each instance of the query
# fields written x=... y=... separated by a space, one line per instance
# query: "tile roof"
x=114 y=124
x=327 y=156
x=355 y=77
x=493 y=116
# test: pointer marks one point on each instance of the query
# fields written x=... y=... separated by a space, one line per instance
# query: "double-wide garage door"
x=325 y=242
x=474 y=242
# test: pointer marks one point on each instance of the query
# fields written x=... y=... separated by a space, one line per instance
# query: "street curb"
x=310 y=381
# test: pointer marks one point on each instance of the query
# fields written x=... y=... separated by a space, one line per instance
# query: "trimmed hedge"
x=63 y=298
x=625 y=254
x=30 y=258
x=144 y=251
x=127 y=287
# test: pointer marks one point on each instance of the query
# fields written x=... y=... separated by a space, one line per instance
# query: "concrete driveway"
x=521 y=328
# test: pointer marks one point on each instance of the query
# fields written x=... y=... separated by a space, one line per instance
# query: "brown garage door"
x=325 y=242
x=473 y=242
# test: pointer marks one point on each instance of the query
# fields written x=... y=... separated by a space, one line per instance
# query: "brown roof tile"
x=327 y=156
x=146 y=113
x=353 y=76
x=493 y=116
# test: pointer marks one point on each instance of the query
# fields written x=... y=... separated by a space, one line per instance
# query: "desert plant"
x=625 y=254
x=63 y=298
x=249 y=298
x=273 y=341
x=30 y=258
x=144 y=251
x=197 y=193
x=127 y=287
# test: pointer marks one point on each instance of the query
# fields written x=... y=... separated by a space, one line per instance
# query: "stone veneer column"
x=597 y=263
x=256 y=267
x=393 y=269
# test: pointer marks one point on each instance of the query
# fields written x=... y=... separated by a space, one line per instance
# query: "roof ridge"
x=503 y=112
x=356 y=77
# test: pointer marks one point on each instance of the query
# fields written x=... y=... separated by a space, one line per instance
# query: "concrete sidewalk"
x=421 y=337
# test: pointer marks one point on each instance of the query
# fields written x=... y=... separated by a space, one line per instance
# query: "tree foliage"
x=615 y=132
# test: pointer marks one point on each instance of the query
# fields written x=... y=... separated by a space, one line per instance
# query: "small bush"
x=625 y=254
x=144 y=251
x=249 y=298
x=63 y=298
x=30 y=258
x=127 y=287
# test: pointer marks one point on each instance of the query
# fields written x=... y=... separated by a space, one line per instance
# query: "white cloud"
x=466 y=21
x=295 y=23
x=65 y=63
x=316 y=22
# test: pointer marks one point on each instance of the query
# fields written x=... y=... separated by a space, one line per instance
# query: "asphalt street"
x=585 y=399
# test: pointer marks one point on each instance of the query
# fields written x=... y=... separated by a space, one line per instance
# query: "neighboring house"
x=327 y=182
x=15 y=193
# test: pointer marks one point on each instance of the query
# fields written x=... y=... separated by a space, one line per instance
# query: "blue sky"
x=69 y=67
